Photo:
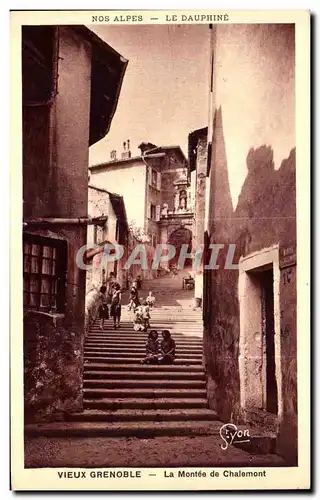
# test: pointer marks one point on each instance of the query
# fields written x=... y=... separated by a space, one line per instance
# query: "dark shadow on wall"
x=265 y=215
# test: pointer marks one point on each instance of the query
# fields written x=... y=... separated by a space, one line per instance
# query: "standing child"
x=103 y=306
x=168 y=348
x=146 y=315
x=138 y=321
x=115 y=309
x=150 y=299
x=134 y=299
x=152 y=348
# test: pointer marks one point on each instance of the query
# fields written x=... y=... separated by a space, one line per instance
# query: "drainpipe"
x=37 y=221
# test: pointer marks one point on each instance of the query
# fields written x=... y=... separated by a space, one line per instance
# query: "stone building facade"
x=109 y=226
x=156 y=190
x=198 y=161
x=64 y=85
x=250 y=341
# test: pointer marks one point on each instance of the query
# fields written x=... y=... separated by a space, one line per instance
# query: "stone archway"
x=177 y=238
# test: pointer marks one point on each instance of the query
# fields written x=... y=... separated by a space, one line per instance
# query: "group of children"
x=163 y=352
x=141 y=319
x=156 y=351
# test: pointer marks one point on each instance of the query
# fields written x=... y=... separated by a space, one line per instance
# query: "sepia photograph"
x=159 y=254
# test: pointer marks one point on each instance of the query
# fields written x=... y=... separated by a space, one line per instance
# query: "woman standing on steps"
x=103 y=306
x=115 y=309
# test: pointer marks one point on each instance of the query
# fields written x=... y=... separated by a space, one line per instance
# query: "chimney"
x=146 y=146
x=126 y=153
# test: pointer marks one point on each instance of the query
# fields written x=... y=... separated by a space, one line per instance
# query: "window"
x=152 y=211
x=153 y=178
x=158 y=212
x=44 y=273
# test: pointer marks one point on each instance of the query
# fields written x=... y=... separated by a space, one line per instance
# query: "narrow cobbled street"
x=143 y=415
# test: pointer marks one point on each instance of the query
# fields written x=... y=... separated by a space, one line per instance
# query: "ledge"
x=55 y=317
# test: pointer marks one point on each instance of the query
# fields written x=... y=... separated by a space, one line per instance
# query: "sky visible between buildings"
x=164 y=95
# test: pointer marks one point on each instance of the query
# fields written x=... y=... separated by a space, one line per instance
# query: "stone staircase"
x=123 y=397
x=126 y=398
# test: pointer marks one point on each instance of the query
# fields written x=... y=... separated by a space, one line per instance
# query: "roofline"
x=94 y=38
x=148 y=154
x=102 y=189
x=166 y=148
x=115 y=162
x=114 y=195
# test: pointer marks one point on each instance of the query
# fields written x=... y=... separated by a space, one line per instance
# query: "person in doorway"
x=152 y=348
x=150 y=299
x=103 y=306
x=115 y=309
x=168 y=348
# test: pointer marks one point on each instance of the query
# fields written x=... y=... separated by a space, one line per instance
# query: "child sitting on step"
x=152 y=348
x=168 y=348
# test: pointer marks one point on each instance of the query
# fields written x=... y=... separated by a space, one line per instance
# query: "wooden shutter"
x=149 y=175
x=157 y=212
x=158 y=181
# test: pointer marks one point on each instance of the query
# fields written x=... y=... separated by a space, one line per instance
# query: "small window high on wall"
x=44 y=273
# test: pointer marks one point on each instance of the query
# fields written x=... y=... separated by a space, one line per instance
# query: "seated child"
x=168 y=348
x=152 y=348
x=150 y=299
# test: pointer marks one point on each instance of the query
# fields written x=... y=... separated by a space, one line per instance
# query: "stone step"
x=152 y=393
x=139 y=367
x=141 y=337
x=144 y=403
x=136 y=342
x=149 y=375
x=124 y=429
x=132 y=334
x=133 y=355
x=124 y=415
x=142 y=383
x=138 y=350
x=129 y=360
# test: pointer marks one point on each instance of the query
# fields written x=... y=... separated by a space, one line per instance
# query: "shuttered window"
x=44 y=273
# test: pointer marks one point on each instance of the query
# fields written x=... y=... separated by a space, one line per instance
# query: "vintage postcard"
x=160 y=241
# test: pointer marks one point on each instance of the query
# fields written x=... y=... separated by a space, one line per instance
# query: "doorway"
x=259 y=349
x=267 y=327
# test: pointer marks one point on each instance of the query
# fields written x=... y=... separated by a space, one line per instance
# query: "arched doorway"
x=177 y=238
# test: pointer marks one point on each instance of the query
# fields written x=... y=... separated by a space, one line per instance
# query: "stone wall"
x=53 y=343
x=52 y=367
x=252 y=205
x=200 y=206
